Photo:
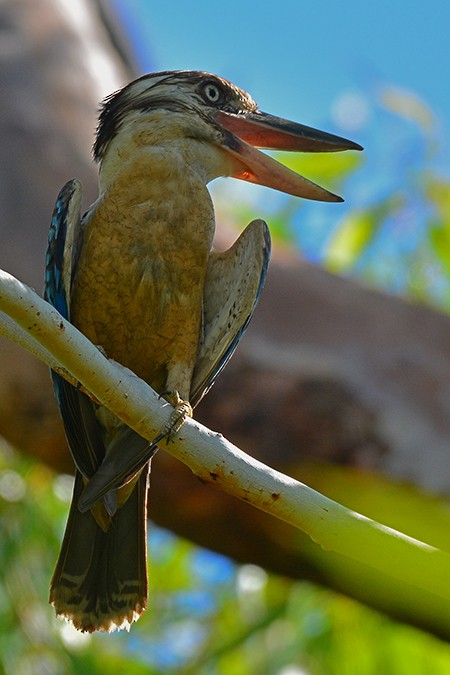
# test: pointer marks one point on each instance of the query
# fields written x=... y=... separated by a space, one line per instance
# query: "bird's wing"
x=234 y=282
x=85 y=433
x=58 y=262
x=77 y=411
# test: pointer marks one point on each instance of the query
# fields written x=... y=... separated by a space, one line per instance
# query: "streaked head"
x=201 y=106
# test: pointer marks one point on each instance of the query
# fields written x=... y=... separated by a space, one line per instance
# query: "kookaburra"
x=138 y=276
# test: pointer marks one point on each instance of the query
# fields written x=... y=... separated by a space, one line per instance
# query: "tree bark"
x=343 y=387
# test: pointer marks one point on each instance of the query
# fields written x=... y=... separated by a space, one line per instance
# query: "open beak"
x=251 y=130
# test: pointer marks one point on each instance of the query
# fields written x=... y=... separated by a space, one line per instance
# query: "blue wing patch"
x=85 y=435
x=78 y=413
x=65 y=218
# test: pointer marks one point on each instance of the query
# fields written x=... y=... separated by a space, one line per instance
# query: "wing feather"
x=88 y=440
x=233 y=285
x=77 y=411
x=58 y=262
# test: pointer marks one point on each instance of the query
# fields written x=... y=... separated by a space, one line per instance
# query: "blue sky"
x=297 y=57
x=324 y=64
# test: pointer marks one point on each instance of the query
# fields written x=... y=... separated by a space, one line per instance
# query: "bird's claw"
x=182 y=410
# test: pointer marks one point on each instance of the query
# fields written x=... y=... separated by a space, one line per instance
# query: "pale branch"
x=12 y=331
x=44 y=332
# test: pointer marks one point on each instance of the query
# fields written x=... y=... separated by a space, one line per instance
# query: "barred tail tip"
x=106 y=621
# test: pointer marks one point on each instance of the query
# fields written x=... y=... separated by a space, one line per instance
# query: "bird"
x=138 y=275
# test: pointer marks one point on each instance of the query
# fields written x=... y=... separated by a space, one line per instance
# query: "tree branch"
x=42 y=330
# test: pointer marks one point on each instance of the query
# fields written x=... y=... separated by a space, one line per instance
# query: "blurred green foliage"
x=205 y=614
x=393 y=231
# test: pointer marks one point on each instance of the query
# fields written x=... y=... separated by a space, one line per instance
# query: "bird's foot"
x=182 y=410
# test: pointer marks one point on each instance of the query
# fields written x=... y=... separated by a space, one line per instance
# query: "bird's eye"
x=211 y=92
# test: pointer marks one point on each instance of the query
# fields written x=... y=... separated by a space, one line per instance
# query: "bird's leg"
x=182 y=410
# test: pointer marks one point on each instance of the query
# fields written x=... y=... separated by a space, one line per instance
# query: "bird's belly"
x=148 y=318
x=138 y=286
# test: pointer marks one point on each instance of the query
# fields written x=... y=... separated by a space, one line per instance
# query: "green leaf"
x=350 y=240
x=439 y=234
x=356 y=232
x=328 y=167
x=437 y=190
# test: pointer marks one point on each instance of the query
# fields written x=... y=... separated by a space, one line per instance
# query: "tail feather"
x=100 y=579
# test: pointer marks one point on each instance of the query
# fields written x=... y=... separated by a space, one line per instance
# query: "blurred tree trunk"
x=344 y=388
